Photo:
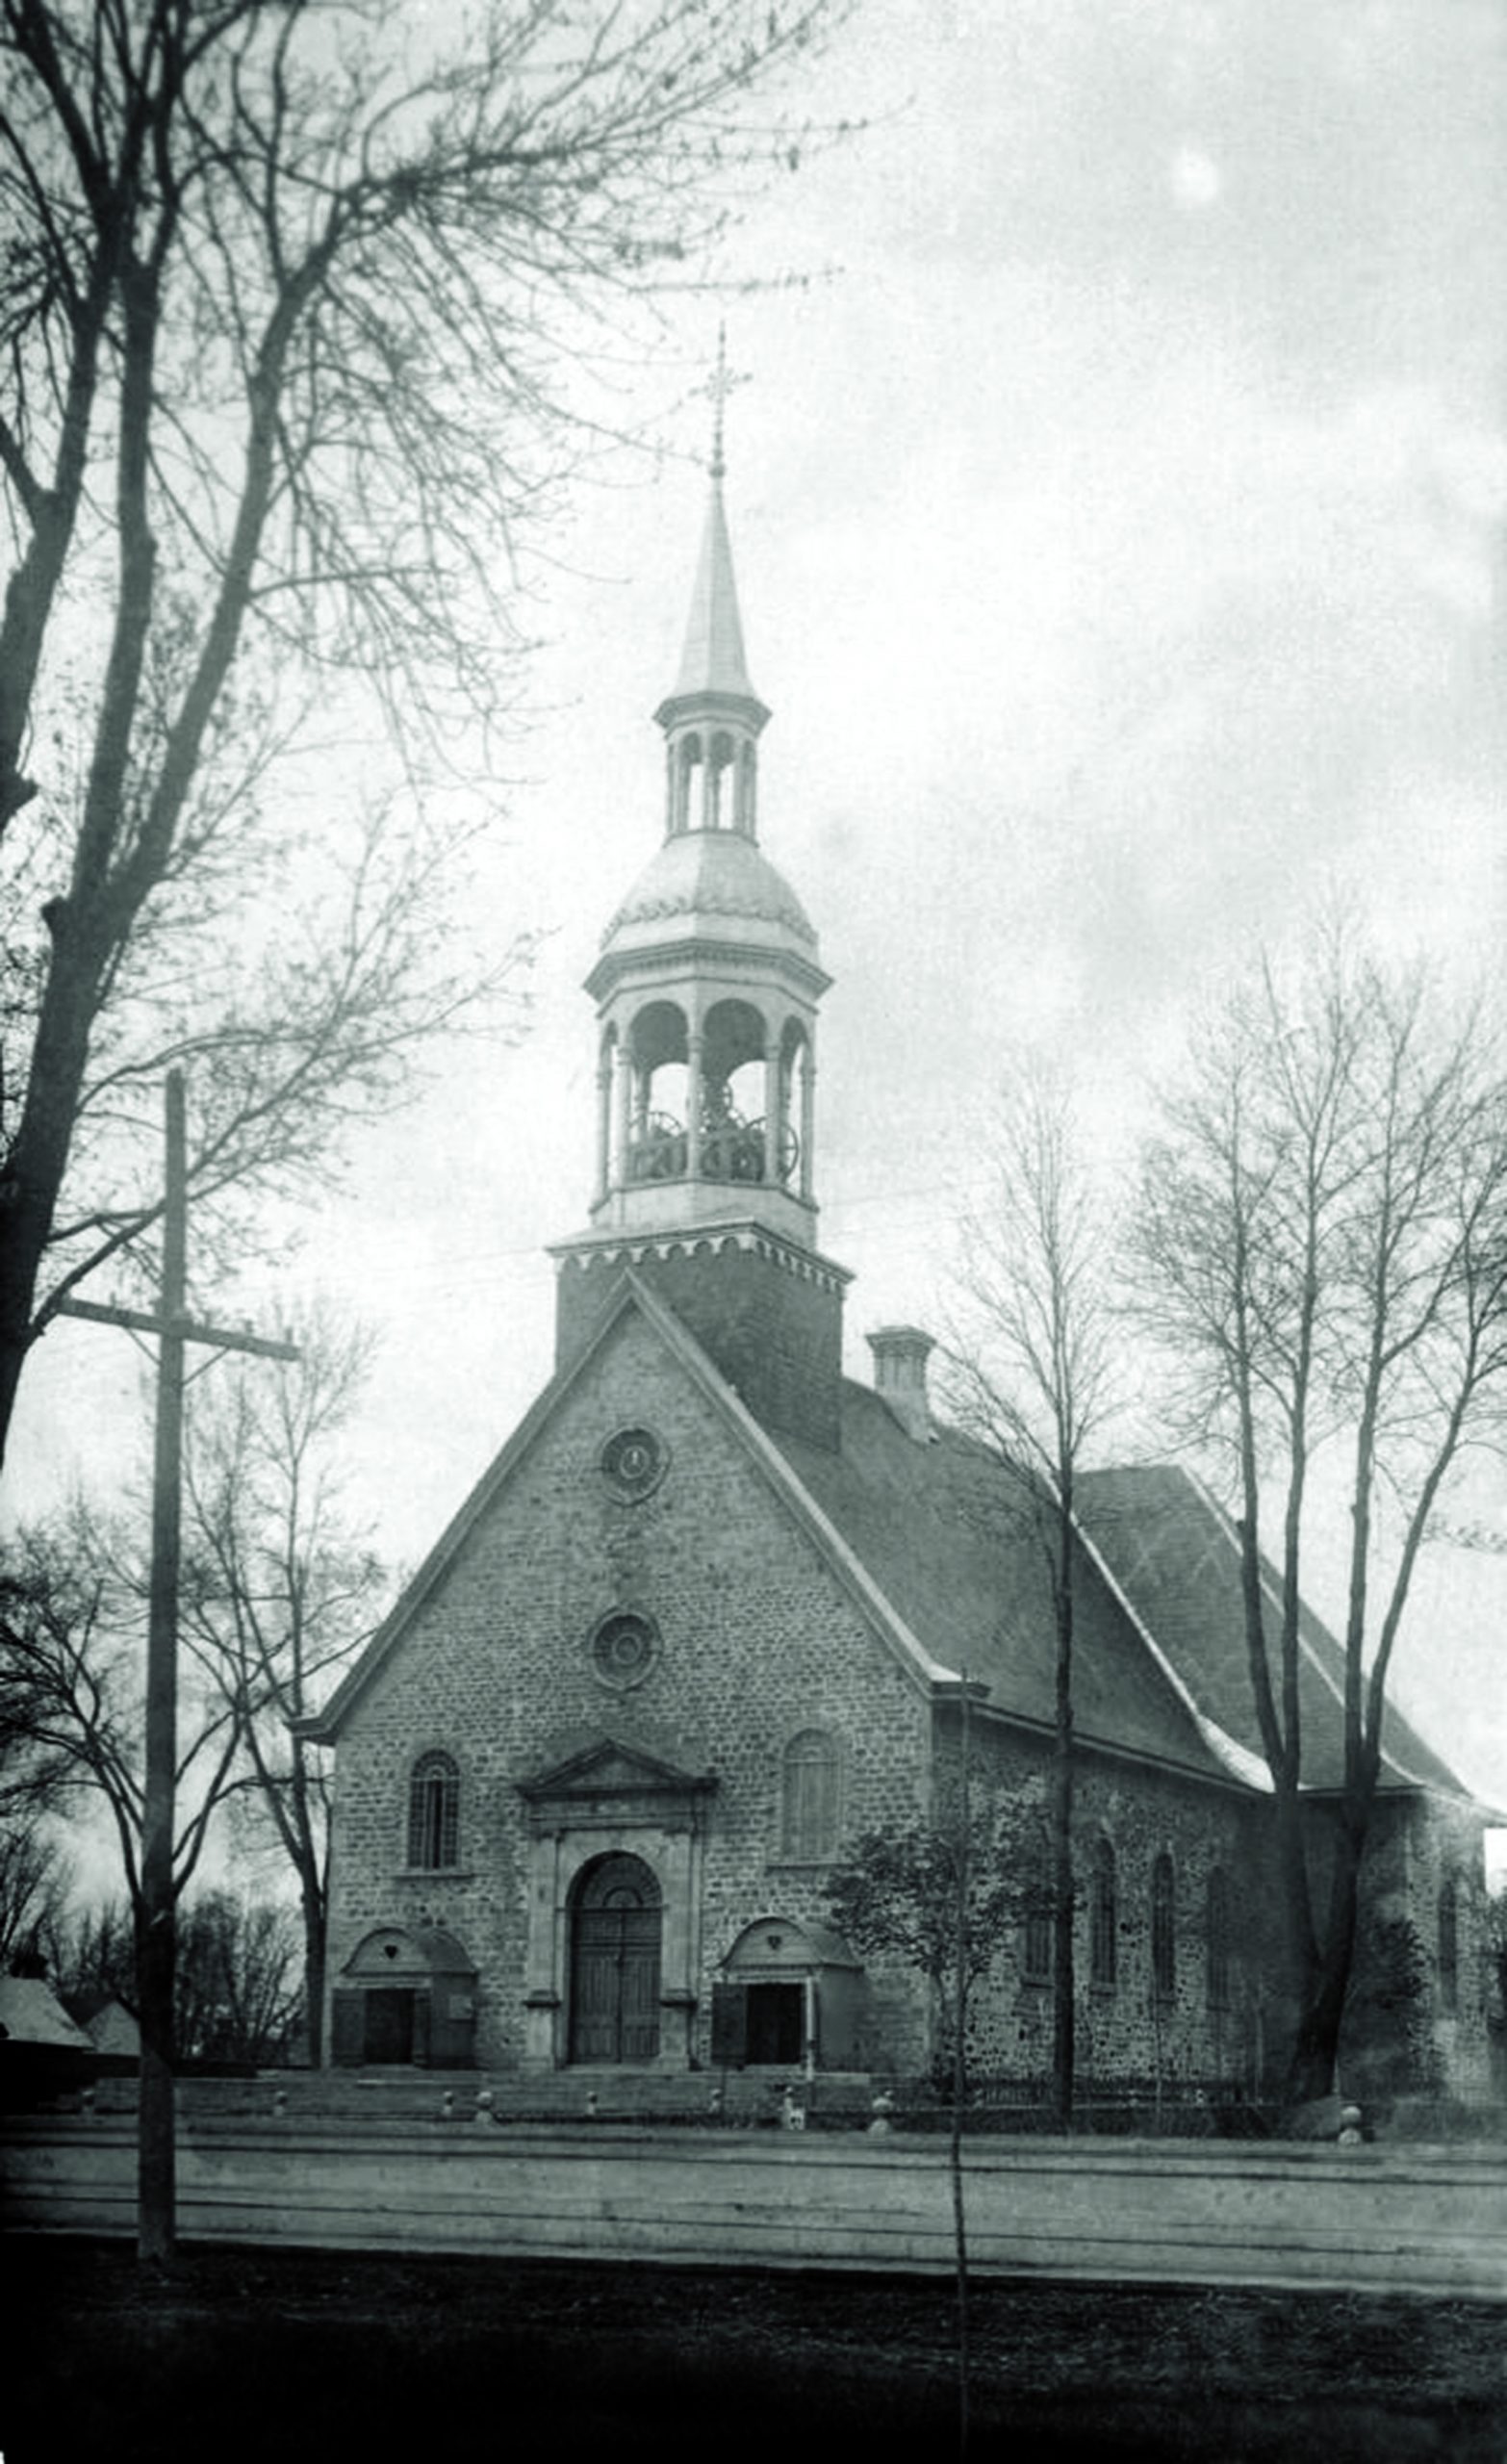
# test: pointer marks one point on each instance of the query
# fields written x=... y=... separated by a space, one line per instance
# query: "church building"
x=710 y=1616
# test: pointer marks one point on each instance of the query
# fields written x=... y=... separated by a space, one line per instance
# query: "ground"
x=297 y=2355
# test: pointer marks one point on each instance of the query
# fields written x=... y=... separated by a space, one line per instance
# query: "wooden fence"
x=1425 y=2220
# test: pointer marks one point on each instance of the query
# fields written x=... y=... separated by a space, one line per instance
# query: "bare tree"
x=276 y=1592
x=279 y=1592
x=941 y=1895
x=292 y=308
x=236 y=1996
x=36 y=1877
x=72 y=1611
x=1324 y=1239
x=95 y=1956
x=1031 y=1374
x=236 y=1982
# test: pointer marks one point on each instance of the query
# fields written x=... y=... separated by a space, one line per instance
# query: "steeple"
x=707 y=989
x=713 y=718
x=714 y=661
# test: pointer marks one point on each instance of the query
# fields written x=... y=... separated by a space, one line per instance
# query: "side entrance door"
x=615 y=1937
x=388 y=2033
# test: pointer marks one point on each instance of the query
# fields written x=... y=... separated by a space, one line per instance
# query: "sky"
x=1117 y=505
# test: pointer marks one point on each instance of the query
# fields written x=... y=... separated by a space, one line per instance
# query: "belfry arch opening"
x=732 y=1082
x=711 y=780
x=726 y=1102
x=656 y=1095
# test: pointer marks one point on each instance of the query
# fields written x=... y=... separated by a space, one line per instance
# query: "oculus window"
x=632 y=1463
x=624 y=1649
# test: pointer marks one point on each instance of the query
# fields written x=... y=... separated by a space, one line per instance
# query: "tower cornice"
x=679 y=957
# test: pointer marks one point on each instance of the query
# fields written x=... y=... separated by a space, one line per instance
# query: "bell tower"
x=707 y=985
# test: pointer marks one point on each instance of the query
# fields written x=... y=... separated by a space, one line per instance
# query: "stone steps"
x=582 y=2094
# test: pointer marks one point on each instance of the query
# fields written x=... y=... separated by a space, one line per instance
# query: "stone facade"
x=753 y=1641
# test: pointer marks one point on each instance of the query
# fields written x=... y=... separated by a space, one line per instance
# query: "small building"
x=113 y=2030
x=44 y=2053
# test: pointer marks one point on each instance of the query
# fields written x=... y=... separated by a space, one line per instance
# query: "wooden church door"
x=615 y=1964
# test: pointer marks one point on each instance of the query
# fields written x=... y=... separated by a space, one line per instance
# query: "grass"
x=297 y=2355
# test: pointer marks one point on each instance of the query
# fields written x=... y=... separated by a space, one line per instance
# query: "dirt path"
x=303 y=2356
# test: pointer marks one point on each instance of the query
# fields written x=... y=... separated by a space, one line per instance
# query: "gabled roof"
x=765 y=1458
x=110 y=2026
x=1176 y=1553
x=31 y=2014
x=957 y=1544
x=944 y=1553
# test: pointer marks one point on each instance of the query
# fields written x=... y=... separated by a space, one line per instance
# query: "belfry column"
x=604 y=1120
x=807 y=1114
x=625 y=1089
x=693 y=1098
x=774 y=1107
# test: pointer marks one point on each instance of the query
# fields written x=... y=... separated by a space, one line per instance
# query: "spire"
x=714 y=659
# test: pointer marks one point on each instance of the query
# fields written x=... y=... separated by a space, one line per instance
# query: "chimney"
x=900 y=1354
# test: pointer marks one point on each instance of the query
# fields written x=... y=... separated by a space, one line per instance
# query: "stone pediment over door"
x=615 y=1785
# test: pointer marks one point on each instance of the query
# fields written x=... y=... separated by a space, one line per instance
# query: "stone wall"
x=757 y=1640
x=768 y=1314
x=1125 y=2028
x=1409 y=2028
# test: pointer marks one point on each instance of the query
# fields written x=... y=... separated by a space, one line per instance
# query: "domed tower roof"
x=707 y=886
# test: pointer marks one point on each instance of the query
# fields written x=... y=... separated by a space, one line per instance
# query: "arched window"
x=1449 y=1944
x=1035 y=1934
x=1103 y=1918
x=1163 y=1931
x=1216 y=1940
x=433 y=1811
x=810 y=1808
x=719 y=777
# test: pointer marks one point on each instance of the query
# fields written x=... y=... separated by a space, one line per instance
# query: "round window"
x=624 y=1649
x=633 y=1462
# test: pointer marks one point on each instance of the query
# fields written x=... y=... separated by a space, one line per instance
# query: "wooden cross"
x=175 y=1330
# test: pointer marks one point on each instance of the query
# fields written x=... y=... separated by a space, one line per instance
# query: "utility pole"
x=156 y=1935
x=960 y=2060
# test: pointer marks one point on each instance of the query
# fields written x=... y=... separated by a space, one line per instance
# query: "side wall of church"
x=1416 y=2023
x=1206 y=2015
x=757 y=1641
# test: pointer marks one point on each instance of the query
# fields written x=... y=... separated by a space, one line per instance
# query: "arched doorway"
x=406 y=1995
x=615 y=1929
x=790 y=1993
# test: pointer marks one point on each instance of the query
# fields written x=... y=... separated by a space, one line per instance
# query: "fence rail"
x=1363 y=2219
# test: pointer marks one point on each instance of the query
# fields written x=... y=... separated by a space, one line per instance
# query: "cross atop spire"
x=722 y=383
x=713 y=660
